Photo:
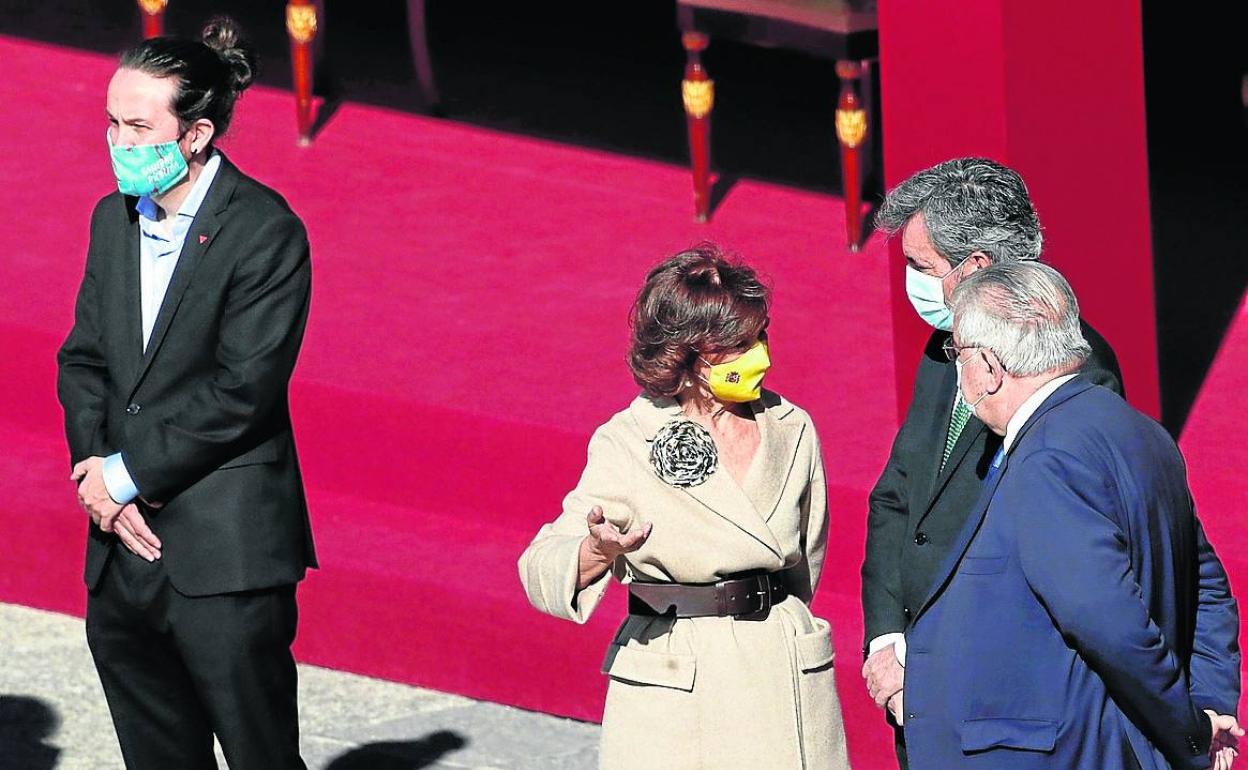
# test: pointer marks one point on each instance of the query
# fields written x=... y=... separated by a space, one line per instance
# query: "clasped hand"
x=885 y=678
x=1224 y=746
x=125 y=521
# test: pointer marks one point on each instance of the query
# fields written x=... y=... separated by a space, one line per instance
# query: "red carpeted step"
x=1214 y=444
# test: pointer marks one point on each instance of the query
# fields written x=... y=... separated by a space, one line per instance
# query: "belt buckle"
x=764 y=602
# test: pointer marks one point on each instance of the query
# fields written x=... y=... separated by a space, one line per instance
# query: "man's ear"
x=976 y=260
x=200 y=134
x=995 y=370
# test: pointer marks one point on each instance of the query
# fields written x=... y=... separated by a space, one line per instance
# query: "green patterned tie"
x=961 y=413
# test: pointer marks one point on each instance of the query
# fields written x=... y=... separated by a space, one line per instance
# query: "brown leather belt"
x=746 y=598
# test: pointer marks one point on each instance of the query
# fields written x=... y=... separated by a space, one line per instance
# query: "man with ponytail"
x=174 y=383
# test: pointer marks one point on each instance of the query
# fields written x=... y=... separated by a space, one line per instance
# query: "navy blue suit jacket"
x=1061 y=629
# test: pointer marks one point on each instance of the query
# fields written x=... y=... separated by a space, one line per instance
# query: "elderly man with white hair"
x=1061 y=629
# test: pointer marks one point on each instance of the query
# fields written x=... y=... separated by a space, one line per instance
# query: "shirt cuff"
x=883 y=640
x=117 y=480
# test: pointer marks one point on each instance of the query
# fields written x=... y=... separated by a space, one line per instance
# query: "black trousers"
x=176 y=670
x=899 y=743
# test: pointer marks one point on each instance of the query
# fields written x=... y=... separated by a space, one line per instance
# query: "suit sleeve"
x=550 y=566
x=1075 y=557
x=82 y=381
x=805 y=577
x=887 y=518
x=1215 y=660
x=262 y=324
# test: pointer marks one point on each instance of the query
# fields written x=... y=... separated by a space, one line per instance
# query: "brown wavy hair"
x=698 y=302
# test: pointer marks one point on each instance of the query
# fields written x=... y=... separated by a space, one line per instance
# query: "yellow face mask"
x=741 y=379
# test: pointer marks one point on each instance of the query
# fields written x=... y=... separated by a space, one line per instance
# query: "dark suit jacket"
x=916 y=511
x=1061 y=629
x=201 y=418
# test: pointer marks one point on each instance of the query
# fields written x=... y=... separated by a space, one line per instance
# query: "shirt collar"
x=148 y=209
x=1030 y=406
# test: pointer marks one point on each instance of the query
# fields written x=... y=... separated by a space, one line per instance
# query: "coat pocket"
x=658 y=669
x=1006 y=733
x=814 y=649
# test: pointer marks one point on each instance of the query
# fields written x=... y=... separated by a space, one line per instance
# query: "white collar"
x=1030 y=406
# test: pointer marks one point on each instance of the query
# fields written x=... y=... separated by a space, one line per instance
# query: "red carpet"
x=1213 y=443
x=471 y=292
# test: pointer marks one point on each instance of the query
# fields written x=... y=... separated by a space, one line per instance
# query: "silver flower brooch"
x=683 y=453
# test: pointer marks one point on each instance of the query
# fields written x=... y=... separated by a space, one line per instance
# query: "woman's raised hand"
x=604 y=544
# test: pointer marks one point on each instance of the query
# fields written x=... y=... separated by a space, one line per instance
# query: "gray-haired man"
x=954 y=219
x=1064 y=629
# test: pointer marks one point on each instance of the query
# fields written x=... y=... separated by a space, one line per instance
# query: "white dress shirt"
x=160 y=245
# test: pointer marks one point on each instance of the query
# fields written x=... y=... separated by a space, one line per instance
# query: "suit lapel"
x=780 y=438
x=718 y=493
x=970 y=434
x=938 y=426
x=199 y=239
x=721 y=495
x=969 y=529
x=131 y=278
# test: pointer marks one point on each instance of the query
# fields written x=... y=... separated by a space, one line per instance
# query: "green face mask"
x=741 y=379
x=147 y=169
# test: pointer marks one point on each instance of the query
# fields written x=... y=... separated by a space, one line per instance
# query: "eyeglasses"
x=952 y=350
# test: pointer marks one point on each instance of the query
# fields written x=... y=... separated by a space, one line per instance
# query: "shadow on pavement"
x=25 y=725
x=400 y=755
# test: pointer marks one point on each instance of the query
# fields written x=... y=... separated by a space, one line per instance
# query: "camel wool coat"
x=711 y=692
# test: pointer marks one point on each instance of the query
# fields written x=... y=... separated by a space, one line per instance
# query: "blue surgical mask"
x=147 y=169
x=927 y=294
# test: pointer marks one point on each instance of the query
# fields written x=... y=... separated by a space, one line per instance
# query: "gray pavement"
x=53 y=715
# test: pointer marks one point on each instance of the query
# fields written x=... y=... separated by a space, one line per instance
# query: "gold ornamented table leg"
x=851 y=132
x=697 y=91
x=301 y=24
x=153 y=13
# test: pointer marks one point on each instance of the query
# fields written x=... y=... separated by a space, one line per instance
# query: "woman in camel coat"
x=704 y=478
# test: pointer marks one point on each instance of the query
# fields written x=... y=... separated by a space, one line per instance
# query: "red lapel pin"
x=203 y=239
